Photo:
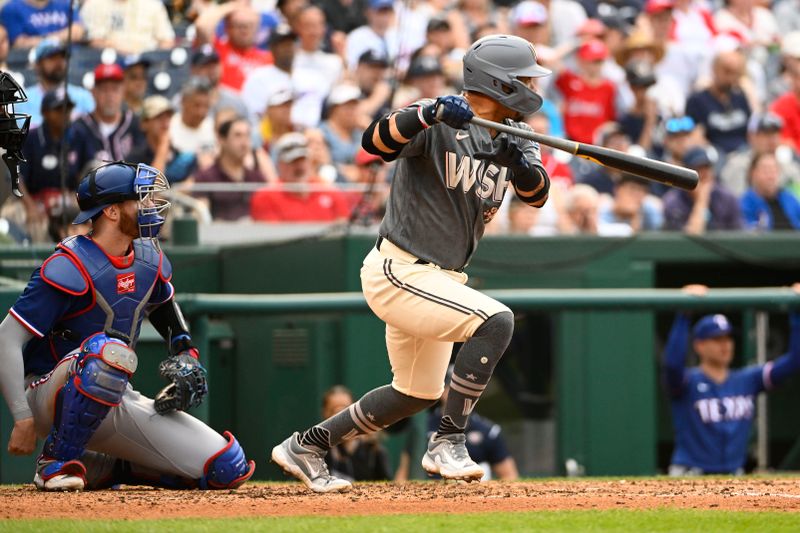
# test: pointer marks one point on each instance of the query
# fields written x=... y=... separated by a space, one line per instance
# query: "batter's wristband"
x=410 y=122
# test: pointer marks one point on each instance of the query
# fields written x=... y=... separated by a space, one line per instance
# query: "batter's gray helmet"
x=492 y=66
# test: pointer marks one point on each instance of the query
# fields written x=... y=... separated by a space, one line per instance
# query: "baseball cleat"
x=55 y=475
x=447 y=456
x=307 y=465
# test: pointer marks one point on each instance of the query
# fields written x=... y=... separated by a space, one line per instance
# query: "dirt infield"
x=750 y=494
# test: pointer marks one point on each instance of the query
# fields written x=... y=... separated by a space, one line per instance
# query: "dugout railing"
x=606 y=398
x=605 y=364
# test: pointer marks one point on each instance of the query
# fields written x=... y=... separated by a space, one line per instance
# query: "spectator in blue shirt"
x=709 y=207
x=766 y=205
x=51 y=67
x=31 y=21
x=713 y=407
x=41 y=171
x=722 y=110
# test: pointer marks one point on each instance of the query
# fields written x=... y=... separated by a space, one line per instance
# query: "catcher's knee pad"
x=98 y=383
x=228 y=468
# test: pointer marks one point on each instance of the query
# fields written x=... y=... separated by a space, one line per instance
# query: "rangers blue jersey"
x=79 y=291
x=713 y=421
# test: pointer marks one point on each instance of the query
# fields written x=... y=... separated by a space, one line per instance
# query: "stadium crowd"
x=256 y=108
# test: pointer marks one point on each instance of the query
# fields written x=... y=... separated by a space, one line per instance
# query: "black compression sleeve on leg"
x=474 y=365
x=376 y=410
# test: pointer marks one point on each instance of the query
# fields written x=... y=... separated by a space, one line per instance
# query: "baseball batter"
x=67 y=354
x=451 y=178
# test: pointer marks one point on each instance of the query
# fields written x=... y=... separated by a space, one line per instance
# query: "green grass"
x=616 y=520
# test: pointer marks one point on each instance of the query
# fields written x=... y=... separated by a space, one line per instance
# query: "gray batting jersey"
x=441 y=197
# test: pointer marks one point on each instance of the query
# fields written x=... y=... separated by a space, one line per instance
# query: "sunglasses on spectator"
x=679 y=125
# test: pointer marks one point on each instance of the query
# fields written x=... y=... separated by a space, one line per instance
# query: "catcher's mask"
x=120 y=181
x=13 y=126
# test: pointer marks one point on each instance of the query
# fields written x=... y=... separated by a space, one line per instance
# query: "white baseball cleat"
x=54 y=475
x=447 y=456
x=307 y=465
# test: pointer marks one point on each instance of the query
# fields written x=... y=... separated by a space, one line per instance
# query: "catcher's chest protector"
x=119 y=295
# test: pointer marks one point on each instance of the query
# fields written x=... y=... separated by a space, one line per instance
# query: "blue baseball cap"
x=712 y=326
x=684 y=124
x=381 y=4
x=48 y=48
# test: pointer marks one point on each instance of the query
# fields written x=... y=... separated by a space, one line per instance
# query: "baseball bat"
x=651 y=169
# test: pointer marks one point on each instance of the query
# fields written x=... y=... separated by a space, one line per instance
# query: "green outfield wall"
x=592 y=374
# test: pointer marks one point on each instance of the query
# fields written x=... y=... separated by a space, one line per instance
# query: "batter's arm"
x=387 y=136
x=674 y=363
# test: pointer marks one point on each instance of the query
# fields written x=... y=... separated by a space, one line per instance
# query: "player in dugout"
x=713 y=407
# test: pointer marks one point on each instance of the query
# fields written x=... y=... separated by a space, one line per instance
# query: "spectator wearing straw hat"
x=157 y=150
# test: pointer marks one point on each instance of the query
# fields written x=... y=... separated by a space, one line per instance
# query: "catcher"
x=67 y=354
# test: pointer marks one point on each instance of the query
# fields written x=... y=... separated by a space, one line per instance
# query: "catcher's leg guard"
x=96 y=385
x=228 y=468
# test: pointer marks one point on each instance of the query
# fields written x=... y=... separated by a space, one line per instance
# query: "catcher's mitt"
x=188 y=384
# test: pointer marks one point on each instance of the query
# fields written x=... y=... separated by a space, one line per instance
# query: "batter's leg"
x=475 y=362
x=419 y=367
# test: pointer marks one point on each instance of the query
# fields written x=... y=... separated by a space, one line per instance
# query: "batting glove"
x=451 y=110
x=508 y=154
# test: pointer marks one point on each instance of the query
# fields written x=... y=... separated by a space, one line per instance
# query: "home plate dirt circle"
x=292 y=499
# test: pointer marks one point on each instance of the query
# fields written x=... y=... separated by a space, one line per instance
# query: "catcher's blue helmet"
x=120 y=181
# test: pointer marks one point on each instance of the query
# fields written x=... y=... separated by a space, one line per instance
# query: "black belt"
x=417 y=262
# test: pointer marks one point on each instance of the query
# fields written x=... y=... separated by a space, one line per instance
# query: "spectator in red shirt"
x=787 y=106
x=237 y=48
x=588 y=96
x=289 y=202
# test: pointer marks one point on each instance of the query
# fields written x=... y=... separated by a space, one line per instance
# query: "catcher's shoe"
x=55 y=475
x=447 y=456
x=307 y=465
